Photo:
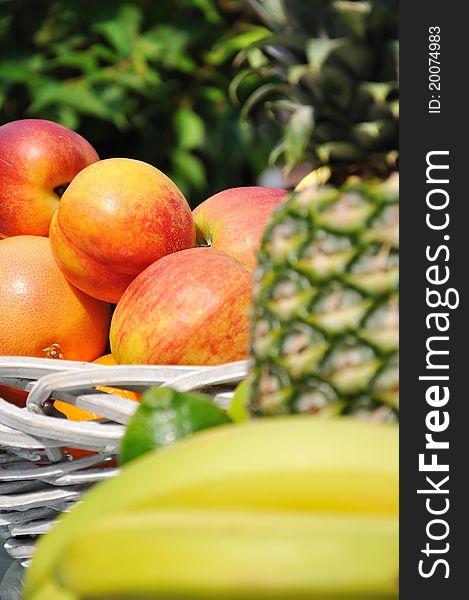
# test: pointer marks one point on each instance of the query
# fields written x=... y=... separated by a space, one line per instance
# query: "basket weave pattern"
x=39 y=476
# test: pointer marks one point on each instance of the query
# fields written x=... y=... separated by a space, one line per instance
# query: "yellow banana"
x=52 y=591
x=296 y=463
x=228 y=555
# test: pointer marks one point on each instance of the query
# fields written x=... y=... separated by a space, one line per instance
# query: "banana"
x=296 y=463
x=227 y=555
x=52 y=591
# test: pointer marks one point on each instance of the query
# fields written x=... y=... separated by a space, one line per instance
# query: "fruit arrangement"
x=81 y=234
x=290 y=490
x=325 y=326
x=292 y=507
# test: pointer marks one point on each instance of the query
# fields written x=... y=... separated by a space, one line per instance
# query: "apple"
x=116 y=218
x=233 y=220
x=188 y=308
x=38 y=159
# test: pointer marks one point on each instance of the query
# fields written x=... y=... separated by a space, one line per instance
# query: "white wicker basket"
x=38 y=478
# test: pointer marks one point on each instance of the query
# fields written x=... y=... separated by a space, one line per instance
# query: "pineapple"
x=325 y=317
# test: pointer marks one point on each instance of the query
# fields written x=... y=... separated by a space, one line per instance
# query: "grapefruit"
x=41 y=313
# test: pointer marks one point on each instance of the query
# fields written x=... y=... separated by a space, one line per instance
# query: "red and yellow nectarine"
x=115 y=219
x=38 y=159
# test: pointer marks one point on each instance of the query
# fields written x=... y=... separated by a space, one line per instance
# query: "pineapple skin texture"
x=325 y=332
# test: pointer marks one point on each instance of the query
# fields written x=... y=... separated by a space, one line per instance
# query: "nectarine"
x=116 y=218
x=38 y=158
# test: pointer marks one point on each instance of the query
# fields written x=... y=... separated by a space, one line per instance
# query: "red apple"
x=38 y=159
x=115 y=219
x=188 y=308
x=233 y=220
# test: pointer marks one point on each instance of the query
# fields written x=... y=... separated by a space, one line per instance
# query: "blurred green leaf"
x=277 y=152
x=168 y=46
x=256 y=58
x=84 y=61
x=5 y=21
x=208 y=9
x=318 y=51
x=77 y=95
x=296 y=73
x=20 y=70
x=228 y=46
x=355 y=20
x=146 y=80
x=121 y=31
x=297 y=135
x=190 y=129
x=189 y=168
x=68 y=116
x=236 y=83
x=262 y=92
x=272 y=12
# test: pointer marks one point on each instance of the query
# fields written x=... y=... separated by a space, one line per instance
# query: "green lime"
x=165 y=416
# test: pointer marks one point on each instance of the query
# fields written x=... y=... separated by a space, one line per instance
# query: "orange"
x=108 y=359
x=73 y=413
x=78 y=414
x=41 y=313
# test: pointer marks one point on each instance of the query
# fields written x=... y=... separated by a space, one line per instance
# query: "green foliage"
x=329 y=78
x=138 y=78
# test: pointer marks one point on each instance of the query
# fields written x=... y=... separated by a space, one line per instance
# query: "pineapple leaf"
x=261 y=93
x=354 y=15
x=341 y=58
x=318 y=51
x=236 y=82
x=225 y=48
x=298 y=132
x=280 y=42
x=276 y=153
x=379 y=91
x=335 y=152
x=296 y=73
x=271 y=12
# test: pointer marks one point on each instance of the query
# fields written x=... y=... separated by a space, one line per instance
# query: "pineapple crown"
x=329 y=72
